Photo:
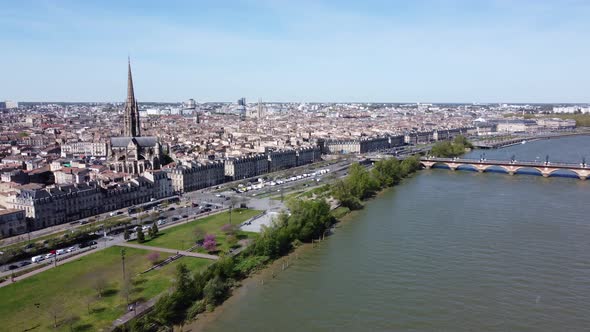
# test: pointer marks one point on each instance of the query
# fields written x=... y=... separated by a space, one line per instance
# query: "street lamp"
x=123 y=261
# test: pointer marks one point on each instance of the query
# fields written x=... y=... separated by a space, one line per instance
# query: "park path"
x=138 y=310
x=172 y=251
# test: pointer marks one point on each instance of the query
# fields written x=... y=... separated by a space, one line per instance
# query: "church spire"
x=131 y=110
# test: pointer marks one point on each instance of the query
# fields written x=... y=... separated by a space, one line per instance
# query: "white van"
x=61 y=251
x=37 y=259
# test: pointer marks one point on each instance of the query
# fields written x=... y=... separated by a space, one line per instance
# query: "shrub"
x=228 y=229
x=210 y=244
x=197 y=308
x=153 y=257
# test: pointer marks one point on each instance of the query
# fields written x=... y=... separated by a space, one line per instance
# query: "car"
x=185 y=216
x=13 y=267
x=217 y=195
x=24 y=263
x=37 y=259
x=161 y=222
x=49 y=256
x=175 y=218
x=171 y=208
x=60 y=252
x=71 y=249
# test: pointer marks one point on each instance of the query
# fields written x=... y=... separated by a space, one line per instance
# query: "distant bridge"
x=545 y=169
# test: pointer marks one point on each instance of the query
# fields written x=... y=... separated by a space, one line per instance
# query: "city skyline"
x=493 y=51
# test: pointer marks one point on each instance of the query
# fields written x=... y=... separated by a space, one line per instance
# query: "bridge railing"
x=505 y=162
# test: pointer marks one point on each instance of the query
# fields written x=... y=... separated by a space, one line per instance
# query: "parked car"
x=161 y=222
x=37 y=259
x=13 y=267
x=71 y=249
x=24 y=263
x=60 y=252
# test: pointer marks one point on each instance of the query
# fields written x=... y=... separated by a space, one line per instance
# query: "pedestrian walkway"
x=138 y=310
x=172 y=251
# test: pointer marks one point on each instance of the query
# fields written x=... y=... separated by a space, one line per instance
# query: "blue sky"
x=389 y=51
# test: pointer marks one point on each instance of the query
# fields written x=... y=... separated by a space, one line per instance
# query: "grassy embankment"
x=70 y=292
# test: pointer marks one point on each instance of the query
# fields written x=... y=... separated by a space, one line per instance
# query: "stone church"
x=133 y=153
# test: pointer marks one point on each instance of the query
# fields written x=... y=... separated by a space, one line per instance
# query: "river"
x=443 y=251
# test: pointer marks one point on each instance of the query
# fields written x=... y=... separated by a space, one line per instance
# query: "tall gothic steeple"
x=131 y=128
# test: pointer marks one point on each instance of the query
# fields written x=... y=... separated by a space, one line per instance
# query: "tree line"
x=360 y=183
x=448 y=149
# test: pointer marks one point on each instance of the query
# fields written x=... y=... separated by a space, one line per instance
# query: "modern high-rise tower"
x=131 y=121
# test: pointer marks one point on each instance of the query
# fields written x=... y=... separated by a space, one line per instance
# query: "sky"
x=533 y=51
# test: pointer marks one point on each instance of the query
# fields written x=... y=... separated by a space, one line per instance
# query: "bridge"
x=545 y=169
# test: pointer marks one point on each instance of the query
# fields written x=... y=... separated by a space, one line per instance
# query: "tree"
x=155 y=230
x=89 y=300
x=228 y=229
x=199 y=234
x=56 y=309
x=140 y=236
x=448 y=149
x=409 y=165
x=98 y=282
x=153 y=257
x=126 y=289
x=215 y=291
x=126 y=234
x=342 y=192
x=209 y=243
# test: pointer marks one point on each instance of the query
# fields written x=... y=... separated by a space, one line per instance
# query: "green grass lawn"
x=182 y=237
x=69 y=290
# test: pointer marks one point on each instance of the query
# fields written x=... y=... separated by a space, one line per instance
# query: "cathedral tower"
x=131 y=128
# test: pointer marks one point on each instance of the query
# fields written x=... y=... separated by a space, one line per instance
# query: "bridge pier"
x=453 y=166
x=427 y=164
x=583 y=174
